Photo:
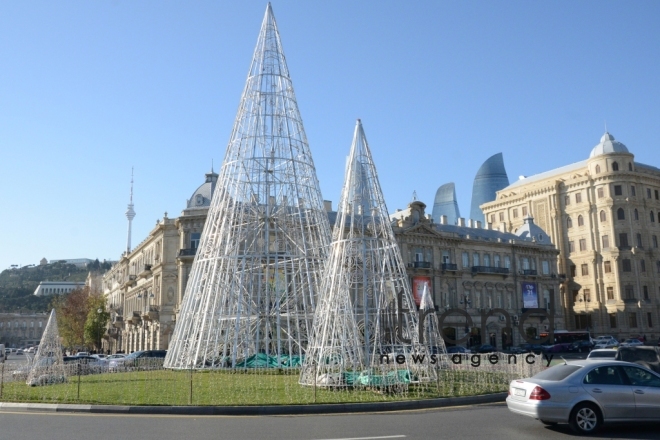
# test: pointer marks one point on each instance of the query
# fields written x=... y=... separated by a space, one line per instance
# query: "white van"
x=3 y=356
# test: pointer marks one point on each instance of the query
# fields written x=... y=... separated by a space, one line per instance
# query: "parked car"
x=581 y=346
x=115 y=356
x=648 y=357
x=19 y=351
x=457 y=349
x=585 y=394
x=483 y=348
x=146 y=359
x=602 y=353
x=532 y=348
x=607 y=343
x=515 y=350
x=84 y=365
x=631 y=343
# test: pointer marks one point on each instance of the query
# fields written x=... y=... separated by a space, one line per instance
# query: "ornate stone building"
x=144 y=289
x=22 y=329
x=479 y=269
x=604 y=215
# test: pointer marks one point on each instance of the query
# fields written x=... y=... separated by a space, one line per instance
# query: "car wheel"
x=585 y=418
x=546 y=423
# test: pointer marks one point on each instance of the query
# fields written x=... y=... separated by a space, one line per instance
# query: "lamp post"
x=465 y=301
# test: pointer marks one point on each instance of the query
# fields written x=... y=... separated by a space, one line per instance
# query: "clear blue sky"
x=89 y=89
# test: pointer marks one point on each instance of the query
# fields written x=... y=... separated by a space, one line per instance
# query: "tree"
x=72 y=311
x=97 y=319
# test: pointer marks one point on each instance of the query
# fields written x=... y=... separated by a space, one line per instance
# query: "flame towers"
x=254 y=281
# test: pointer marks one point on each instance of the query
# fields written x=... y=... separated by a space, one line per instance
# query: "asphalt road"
x=478 y=422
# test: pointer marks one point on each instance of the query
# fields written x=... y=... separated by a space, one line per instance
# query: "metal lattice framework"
x=48 y=366
x=365 y=286
x=431 y=329
x=253 y=284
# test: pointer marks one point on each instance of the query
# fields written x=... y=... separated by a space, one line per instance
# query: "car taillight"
x=539 y=393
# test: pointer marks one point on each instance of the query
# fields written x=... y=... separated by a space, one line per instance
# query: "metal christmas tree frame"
x=366 y=314
x=48 y=366
x=250 y=297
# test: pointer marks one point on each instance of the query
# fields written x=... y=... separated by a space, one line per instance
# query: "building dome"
x=531 y=231
x=608 y=145
x=203 y=195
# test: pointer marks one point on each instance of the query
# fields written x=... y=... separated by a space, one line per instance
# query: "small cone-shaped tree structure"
x=48 y=366
x=365 y=289
x=430 y=330
x=250 y=297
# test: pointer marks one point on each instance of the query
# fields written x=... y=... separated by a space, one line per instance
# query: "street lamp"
x=465 y=300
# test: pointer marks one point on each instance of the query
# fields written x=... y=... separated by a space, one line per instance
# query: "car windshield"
x=558 y=372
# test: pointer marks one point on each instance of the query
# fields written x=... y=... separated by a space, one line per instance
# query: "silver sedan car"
x=588 y=393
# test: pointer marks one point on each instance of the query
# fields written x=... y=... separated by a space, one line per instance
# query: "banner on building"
x=530 y=296
x=418 y=288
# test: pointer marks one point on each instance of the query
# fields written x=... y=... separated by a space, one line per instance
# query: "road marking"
x=366 y=438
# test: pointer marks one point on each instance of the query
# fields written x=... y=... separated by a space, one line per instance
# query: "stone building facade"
x=479 y=269
x=22 y=329
x=603 y=213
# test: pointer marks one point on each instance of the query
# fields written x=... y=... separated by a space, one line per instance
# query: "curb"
x=256 y=410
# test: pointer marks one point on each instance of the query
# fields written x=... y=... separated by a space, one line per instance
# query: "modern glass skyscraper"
x=490 y=178
x=446 y=204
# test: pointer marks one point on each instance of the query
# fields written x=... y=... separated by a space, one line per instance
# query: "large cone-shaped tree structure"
x=252 y=288
x=366 y=313
x=48 y=366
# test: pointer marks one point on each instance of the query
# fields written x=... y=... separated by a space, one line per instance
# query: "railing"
x=449 y=266
x=529 y=272
x=422 y=264
x=187 y=252
x=490 y=269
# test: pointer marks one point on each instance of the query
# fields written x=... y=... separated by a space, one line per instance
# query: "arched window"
x=636 y=215
x=603 y=216
x=629 y=166
x=597 y=169
x=620 y=214
x=569 y=223
x=652 y=217
x=580 y=220
x=615 y=166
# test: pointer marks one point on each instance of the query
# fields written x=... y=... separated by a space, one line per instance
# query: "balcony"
x=151 y=314
x=136 y=318
x=118 y=321
x=490 y=269
x=530 y=272
x=422 y=264
x=187 y=252
x=449 y=266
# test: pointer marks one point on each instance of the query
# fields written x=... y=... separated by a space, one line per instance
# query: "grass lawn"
x=256 y=387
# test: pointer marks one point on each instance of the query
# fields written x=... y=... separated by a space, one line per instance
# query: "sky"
x=90 y=89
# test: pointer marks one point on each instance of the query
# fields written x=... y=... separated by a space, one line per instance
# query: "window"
x=656 y=195
x=627 y=267
x=630 y=166
x=630 y=292
x=597 y=169
x=649 y=319
x=475 y=259
x=573 y=270
x=580 y=220
x=600 y=192
x=620 y=214
x=569 y=223
x=578 y=198
x=487 y=260
x=587 y=295
x=567 y=200
x=609 y=375
x=655 y=241
x=633 y=192
x=648 y=193
x=636 y=214
x=645 y=292
x=466 y=259
x=525 y=263
x=607 y=267
x=652 y=217
x=545 y=267
x=571 y=246
x=496 y=260
x=618 y=191
x=492 y=218
x=524 y=211
x=583 y=244
x=639 y=240
x=515 y=212
x=612 y=320
x=507 y=262
x=615 y=166
x=642 y=266
x=610 y=293
x=606 y=242
x=623 y=239
x=603 y=216
x=501 y=216
x=657 y=267
x=585 y=270
x=632 y=320
x=194 y=240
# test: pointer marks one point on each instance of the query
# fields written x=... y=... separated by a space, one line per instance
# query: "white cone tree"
x=366 y=314
x=253 y=284
x=47 y=365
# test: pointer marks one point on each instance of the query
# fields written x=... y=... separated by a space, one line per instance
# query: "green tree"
x=97 y=319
